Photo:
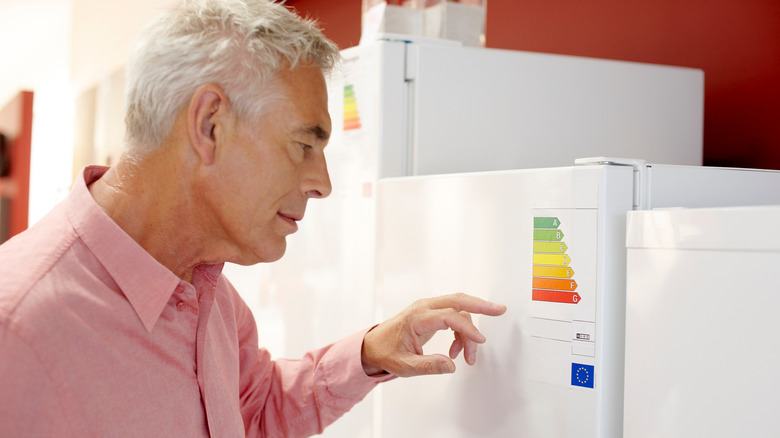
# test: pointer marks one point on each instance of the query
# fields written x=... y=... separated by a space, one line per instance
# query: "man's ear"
x=206 y=118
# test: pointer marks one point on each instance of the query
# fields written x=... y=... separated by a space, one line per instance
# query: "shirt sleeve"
x=294 y=398
x=29 y=403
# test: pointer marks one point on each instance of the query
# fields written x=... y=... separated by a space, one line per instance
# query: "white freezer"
x=550 y=244
x=701 y=323
x=428 y=106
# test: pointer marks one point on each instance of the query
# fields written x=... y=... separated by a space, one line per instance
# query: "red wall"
x=735 y=42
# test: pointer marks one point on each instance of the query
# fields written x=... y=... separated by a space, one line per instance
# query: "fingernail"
x=447 y=368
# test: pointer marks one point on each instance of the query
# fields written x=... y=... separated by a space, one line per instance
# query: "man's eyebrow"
x=315 y=130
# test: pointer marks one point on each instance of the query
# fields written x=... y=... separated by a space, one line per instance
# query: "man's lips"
x=291 y=218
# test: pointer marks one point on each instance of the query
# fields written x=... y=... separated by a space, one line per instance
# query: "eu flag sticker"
x=582 y=375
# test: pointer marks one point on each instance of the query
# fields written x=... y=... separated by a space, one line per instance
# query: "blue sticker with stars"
x=582 y=375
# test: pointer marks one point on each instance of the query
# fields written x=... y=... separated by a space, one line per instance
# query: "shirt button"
x=181 y=306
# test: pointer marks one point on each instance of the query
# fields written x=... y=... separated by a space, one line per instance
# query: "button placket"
x=181 y=294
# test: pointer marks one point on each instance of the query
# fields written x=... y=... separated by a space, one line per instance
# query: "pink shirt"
x=97 y=339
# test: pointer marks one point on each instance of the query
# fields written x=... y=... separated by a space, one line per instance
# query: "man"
x=114 y=318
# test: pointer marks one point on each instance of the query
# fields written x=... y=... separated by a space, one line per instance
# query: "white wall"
x=103 y=33
x=34 y=48
x=33 y=43
x=59 y=49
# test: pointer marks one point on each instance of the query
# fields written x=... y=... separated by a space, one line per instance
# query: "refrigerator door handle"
x=641 y=184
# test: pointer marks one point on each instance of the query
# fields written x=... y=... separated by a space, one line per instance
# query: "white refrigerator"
x=404 y=107
x=551 y=245
x=701 y=322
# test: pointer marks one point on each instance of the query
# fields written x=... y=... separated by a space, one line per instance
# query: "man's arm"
x=30 y=403
x=301 y=397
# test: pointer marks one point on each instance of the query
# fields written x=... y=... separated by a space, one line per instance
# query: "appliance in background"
x=429 y=106
x=459 y=20
x=550 y=244
x=422 y=107
x=701 y=322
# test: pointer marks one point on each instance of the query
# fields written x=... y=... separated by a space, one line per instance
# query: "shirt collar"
x=147 y=284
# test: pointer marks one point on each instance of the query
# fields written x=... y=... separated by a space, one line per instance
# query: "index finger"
x=468 y=303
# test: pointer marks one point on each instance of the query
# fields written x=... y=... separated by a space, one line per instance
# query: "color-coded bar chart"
x=351 y=115
x=552 y=277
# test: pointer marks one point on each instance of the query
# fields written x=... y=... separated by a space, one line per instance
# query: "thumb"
x=429 y=364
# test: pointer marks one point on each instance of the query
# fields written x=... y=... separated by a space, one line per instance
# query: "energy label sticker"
x=562 y=297
x=552 y=276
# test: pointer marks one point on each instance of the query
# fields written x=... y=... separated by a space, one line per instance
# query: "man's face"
x=271 y=167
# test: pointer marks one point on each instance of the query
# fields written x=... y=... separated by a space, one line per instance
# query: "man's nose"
x=317 y=181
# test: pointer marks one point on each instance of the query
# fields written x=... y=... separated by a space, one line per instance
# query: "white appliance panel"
x=701 y=323
x=670 y=186
x=487 y=109
x=376 y=77
x=476 y=233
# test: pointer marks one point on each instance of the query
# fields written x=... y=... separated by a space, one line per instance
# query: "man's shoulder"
x=30 y=255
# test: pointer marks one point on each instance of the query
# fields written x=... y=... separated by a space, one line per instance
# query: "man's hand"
x=395 y=346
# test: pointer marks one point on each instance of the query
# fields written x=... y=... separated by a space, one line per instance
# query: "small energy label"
x=351 y=115
x=552 y=276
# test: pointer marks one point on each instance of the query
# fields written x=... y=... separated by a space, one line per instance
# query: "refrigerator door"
x=701 y=323
x=548 y=244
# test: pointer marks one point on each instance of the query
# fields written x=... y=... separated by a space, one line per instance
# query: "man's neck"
x=150 y=199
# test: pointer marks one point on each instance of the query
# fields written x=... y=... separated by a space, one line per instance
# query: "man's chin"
x=266 y=256
x=264 y=253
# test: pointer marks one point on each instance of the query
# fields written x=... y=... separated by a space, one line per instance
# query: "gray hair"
x=238 y=44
